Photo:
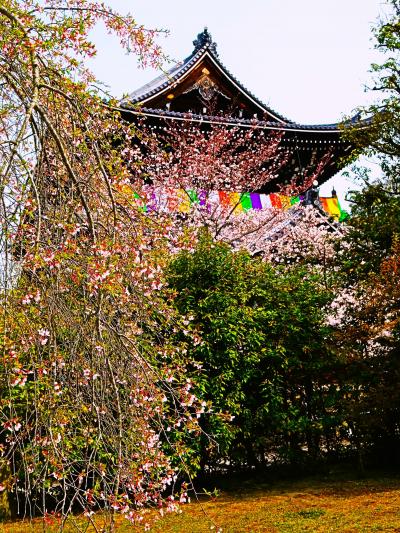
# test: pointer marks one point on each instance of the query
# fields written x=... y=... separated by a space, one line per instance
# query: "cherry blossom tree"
x=95 y=399
x=205 y=174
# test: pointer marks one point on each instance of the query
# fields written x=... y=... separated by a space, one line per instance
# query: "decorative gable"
x=202 y=84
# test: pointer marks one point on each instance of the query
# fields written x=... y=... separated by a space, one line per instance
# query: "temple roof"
x=205 y=49
x=202 y=91
x=203 y=67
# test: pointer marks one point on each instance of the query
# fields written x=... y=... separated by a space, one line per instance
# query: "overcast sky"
x=307 y=59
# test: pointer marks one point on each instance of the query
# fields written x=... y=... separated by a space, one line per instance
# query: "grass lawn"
x=313 y=505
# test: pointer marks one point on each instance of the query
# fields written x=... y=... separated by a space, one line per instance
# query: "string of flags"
x=182 y=201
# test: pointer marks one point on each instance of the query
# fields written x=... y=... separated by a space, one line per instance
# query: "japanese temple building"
x=203 y=91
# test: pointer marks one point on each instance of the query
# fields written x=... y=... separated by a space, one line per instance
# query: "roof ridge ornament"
x=205 y=39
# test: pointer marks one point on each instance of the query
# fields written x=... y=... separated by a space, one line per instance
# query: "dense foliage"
x=376 y=208
x=367 y=311
x=265 y=353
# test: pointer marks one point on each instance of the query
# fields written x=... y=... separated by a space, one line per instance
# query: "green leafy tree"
x=368 y=335
x=368 y=330
x=376 y=209
x=371 y=230
x=264 y=353
x=382 y=136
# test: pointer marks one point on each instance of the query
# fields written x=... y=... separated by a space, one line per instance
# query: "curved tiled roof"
x=158 y=84
x=203 y=45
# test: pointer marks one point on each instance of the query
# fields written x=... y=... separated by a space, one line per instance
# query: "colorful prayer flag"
x=265 y=201
x=184 y=201
x=245 y=201
x=275 y=201
x=331 y=206
x=255 y=200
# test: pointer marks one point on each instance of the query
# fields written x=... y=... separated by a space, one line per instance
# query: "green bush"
x=265 y=355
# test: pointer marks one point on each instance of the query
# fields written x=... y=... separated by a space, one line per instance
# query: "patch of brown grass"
x=309 y=505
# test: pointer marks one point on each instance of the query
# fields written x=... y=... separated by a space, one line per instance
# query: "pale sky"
x=307 y=59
